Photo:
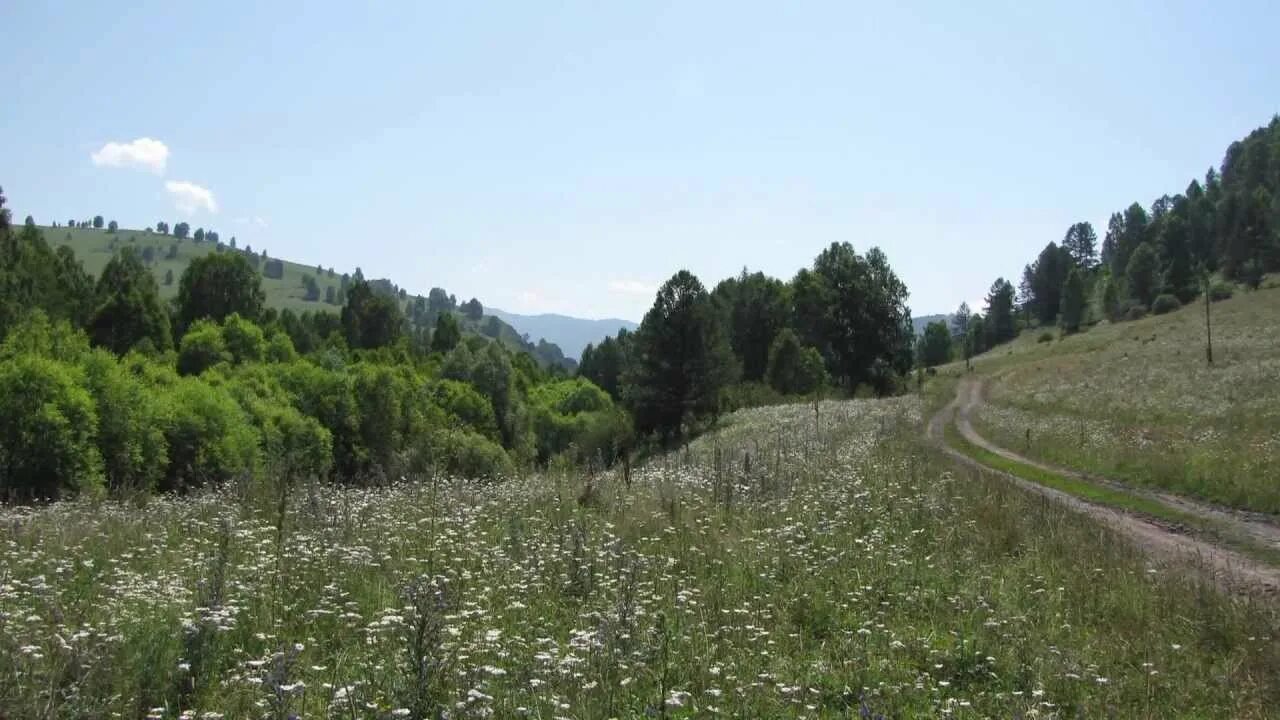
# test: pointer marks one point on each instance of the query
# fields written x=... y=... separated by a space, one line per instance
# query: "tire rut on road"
x=1229 y=569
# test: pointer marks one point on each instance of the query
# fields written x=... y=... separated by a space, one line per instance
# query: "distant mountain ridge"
x=570 y=333
x=918 y=323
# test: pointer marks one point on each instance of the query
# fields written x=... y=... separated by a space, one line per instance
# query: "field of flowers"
x=801 y=562
x=1137 y=402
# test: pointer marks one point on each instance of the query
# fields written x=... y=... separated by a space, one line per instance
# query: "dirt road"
x=1228 y=568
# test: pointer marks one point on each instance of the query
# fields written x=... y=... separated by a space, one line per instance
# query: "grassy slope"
x=93 y=248
x=847 y=574
x=1136 y=401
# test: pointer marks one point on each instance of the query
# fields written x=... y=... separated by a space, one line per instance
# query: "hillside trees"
x=181 y=230
x=935 y=344
x=1000 y=325
x=97 y=222
x=1142 y=274
x=47 y=426
x=214 y=286
x=755 y=308
x=370 y=319
x=682 y=359
x=853 y=310
x=447 y=333
x=1071 y=313
x=794 y=369
x=1081 y=243
x=128 y=307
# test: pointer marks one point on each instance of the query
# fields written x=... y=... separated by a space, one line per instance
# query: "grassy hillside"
x=1136 y=401
x=95 y=247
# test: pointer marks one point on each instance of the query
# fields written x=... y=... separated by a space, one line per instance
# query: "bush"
x=47 y=427
x=1136 y=311
x=464 y=405
x=130 y=436
x=466 y=454
x=750 y=394
x=202 y=347
x=1220 y=291
x=1045 y=337
x=1165 y=304
x=244 y=340
x=328 y=396
x=209 y=436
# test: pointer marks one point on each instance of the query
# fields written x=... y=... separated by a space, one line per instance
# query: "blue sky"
x=569 y=157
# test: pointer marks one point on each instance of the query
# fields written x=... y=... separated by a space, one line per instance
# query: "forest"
x=1219 y=232
x=107 y=388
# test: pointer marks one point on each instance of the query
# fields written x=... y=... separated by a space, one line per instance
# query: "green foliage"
x=203 y=347
x=1220 y=291
x=244 y=340
x=447 y=333
x=935 y=345
x=130 y=437
x=603 y=365
x=1000 y=326
x=853 y=310
x=464 y=405
x=209 y=436
x=47 y=425
x=1073 y=302
x=794 y=369
x=215 y=286
x=280 y=348
x=1165 y=303
x=755 y=308
x=1141 y=274
x=369 y=319
x=128 y=308
x=682 y=359
x=576 y=416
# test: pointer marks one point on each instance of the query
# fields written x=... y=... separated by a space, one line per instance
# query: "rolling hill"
x=168 y=256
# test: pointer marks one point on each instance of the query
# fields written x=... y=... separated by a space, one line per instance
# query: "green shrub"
x=1220 y=291
x=749 y=395
x=202 y=348
x=280 y=349
x=130 y=437
x=465 y=454
x=244 y=340
x=209 y=436
x=47 y=427
x=1165 y=304
x=1136 y=311
x=464 y=405
x=1045 y=337
x=328 y=396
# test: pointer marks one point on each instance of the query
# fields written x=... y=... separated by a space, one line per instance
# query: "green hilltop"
x=284 y=282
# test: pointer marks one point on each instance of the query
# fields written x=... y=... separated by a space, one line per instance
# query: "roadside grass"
x=1136 y=401
x=1114 y=498
x=845 y=569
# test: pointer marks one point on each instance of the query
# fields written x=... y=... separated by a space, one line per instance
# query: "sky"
x=570 y=157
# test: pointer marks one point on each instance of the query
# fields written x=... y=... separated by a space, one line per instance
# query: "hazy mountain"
x=918 y=323
x=570 y=333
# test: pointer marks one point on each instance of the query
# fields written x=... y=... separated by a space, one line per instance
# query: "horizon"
x=569 y=162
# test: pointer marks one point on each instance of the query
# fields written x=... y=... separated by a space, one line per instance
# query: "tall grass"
x=842 y=570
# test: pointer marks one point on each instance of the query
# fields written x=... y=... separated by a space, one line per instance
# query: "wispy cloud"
x=255 y=221
x=632 y=287
x=189 y=197
x=142 y=154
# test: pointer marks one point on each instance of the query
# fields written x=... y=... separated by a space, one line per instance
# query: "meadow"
x=1137 y=402
x=799 y=562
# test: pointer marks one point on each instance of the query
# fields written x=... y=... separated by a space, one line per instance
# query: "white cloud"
x=143 y=153
x=255 y=221
x=632 y=287
x=189 y=197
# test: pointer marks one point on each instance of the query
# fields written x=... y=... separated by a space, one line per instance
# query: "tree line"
x=1220 y=230
x=105 y=387
x=839 y=325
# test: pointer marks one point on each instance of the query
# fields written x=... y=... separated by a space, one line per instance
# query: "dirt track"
x=1228 y=568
